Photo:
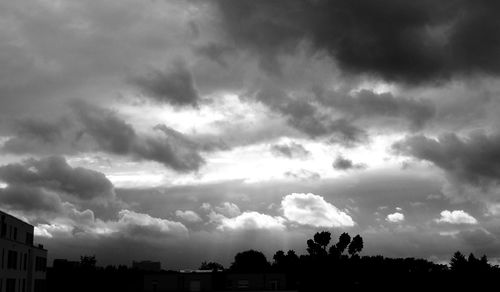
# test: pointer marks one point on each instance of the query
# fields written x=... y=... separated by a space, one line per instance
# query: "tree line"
x=327 y=265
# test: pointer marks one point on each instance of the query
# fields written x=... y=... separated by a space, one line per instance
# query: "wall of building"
x=22 y=265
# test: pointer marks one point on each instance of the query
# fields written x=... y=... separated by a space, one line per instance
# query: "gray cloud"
x=54 y=173
x=290 y=150
x=215 y=52
x=55 y=51
x=341 y=163
x=406 y=41
x=109 y=133
x=345 y=117
x=44 y=131
x=304 y=115
x=30 y=199
x=34 y=135
x=114 y=135
x=474 y=159
x=175 y=85
x=48 y=188
x=368 y=105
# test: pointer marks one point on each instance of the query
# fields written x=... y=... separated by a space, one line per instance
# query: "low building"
x=255 y=282
x=64 y=264
x=208 y=281
x=148 y=266
x=22 y=264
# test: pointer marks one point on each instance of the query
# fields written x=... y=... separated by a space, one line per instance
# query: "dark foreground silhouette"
x=326 y=267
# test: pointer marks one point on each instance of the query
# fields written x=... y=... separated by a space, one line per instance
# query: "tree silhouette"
x=212 y=266
x=88 y=262
x=458 y=262
x=344 y=240
x=356 y=245
x=477 y=265
x=322 y=239
x=337 y=249
x=313 y=248
x=292 y=260
x=279 y=258
x=317 y=247
x=286 y=262
x=250 y=261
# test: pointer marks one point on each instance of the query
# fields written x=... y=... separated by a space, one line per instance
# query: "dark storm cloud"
x=407 y=41
x=54 y=173
x=175 y=85
x=290 y=150
x=342 y=163
x=474 y=159
x=369 y=105
x=30 y=199
x=114 y=135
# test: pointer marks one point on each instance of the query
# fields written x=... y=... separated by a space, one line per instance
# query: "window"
x=25 y=260
x=15 y=233
x=40 y=264
x=12 y=260
x=274 y=285
x=243 y=284
x=10 y=285
x=3 y=227
x=194 y=286
x=39 y=285
x=29 y=238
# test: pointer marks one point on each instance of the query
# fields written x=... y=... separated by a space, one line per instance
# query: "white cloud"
x=130 y=224
x=395 y=217
x=188 y=215
x=251 y=220
x=456 y=217
x=310 y=209
x=134 y=224
x=53 y=230
x=228 y=209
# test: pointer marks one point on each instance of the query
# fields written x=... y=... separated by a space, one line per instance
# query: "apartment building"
x=22 y=264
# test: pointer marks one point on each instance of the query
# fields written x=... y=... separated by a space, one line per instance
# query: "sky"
x=186 y=130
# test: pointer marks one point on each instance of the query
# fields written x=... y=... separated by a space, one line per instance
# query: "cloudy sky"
x=188 y=130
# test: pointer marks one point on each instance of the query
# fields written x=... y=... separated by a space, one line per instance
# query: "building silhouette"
x=149 y=266
x=22 y=264
x=208 y=281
